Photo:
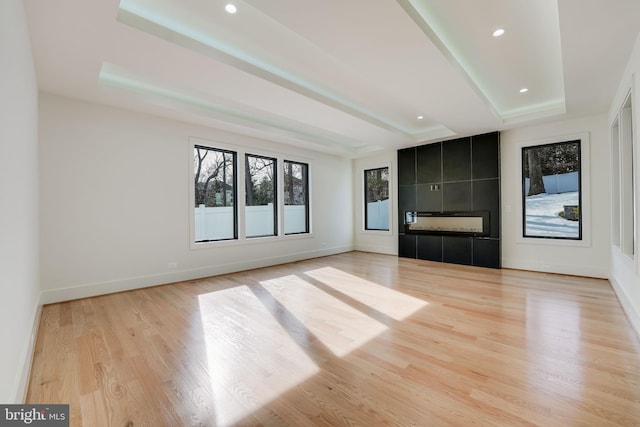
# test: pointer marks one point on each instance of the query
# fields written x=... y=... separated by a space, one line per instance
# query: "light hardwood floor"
x=346 y=340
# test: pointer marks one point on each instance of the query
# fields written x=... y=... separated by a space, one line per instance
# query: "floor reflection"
x=554 y=330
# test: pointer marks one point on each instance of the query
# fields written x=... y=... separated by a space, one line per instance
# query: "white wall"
x=589 y=257
x=625 y=272
x=19 y=206
x=114 y=205
x=385 y=242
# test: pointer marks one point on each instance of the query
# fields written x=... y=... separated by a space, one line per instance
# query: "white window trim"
x=585 y=191
x=363 y=207
x=241 y=151
x=620 y=226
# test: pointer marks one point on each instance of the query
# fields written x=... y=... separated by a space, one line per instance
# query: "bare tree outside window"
x=216 y=211
x=296 y=189
x=536 y=183
x=215 y=188
x=551 y=184
x=260 y=181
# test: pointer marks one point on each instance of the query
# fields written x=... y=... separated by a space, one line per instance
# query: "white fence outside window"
x=378 y=215
x=217 y=223
x=560 y=183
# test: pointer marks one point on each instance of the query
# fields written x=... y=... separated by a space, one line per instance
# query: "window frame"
x=359 y=199
x=234 y=155
x=241 y=151
x=276 y=192
x=524 y=195
x=616 y=187
x=365 y=201
x=307 y=198
x=585 y=191
x=624 y=227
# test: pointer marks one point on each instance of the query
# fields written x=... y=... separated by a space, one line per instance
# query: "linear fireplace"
x=449 y=201
x=467 y=223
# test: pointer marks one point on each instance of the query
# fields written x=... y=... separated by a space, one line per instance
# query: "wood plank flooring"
x=354 y=339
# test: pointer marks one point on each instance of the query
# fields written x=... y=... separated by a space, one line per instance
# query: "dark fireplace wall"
x=456 y=175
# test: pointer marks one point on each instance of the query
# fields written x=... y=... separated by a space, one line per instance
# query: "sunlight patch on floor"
x=554 y=327
x=385 y=300
x=249 y=364
x=340 y=327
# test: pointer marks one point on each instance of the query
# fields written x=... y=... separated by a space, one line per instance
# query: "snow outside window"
x=551 y=190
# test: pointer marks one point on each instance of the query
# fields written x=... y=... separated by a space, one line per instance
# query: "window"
x=296 y=193
x=551 y=190
x=260 y=205
x=624 y=211
x=215 y=191
x=615 y=184
x=376 y=195
x=275 y=202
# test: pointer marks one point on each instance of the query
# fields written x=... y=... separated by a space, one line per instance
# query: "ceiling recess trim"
x=421 y=22
x=438 y=38
x=167 y=28
x=112 y=76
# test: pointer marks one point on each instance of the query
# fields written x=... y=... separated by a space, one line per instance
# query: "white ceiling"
x=341 y=76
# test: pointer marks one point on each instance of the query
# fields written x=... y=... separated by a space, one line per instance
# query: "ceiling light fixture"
x=231 y=8
x=523 y=90
x=498 y=32
x=420 y=117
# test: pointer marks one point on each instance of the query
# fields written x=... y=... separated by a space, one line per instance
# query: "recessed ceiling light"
x=420 y=117
x=523 y=90
x=498 y=32
x=231 y=8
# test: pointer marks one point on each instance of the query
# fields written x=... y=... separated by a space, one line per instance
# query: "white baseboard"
x=130 y=283
x=23 y=375
x=629 y=308
x=572 y=270
x=377 y=249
